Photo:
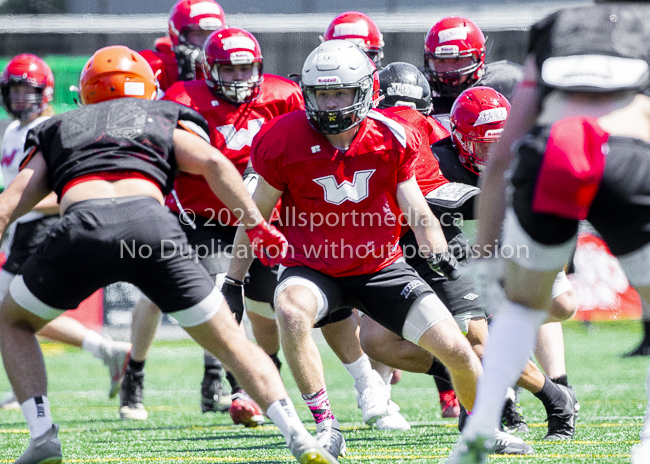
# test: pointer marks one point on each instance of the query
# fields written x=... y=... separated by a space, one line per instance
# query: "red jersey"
x=437 y=131
x=163 y=62
x=232 y=128
x=427 y=169
x=339 y=209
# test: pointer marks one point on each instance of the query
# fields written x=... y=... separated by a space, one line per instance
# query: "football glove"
x=186 y=59
x=233 y=292
x=444 y=264
x=268 y=243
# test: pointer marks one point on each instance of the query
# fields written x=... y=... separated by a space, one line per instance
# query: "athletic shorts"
x=27 y=237
x=386 y=296
x=619 y=208
x=99 y=242
x=212 y=243
x=459 y=296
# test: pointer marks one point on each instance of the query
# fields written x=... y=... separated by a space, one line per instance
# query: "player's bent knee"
x=201 y=312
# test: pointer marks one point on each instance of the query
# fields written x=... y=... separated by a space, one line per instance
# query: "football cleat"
x=476 y=450
x=213 y=396
x=306 y=450
x=642 y=350
x=329 y=436
x=45 y=449
x=372 y=397
x=449 y=404
x=393 y=420
x=396 y=377
x=562 y=421
x=512 y=420
x=115 y=356
x=504 y=443
x=244 y=410
x=131 y=407
x=10 y=403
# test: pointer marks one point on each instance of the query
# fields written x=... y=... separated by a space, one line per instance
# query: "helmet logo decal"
x=241 y=58
x=455 y=33
x=355 y=191
x=210 y=23
x=344 y=29
x=447 y=50
x=493 y=133
x=328 y=80
x=491 y=115
x=203 y=8
x=134 y=88
x=238 y=42
x=405 y=90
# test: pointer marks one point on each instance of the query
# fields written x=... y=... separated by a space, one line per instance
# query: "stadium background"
x=287 y=31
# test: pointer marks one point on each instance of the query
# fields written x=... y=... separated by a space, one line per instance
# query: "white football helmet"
x=337 y=64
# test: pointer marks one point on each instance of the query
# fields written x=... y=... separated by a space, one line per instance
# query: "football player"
x=110 y=164
x=565 y=113
x=236 y=98
x=178 y=56
x=340 y=160
x=27 y=89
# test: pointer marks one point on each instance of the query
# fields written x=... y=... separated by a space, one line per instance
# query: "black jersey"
x=125 y=134
x=610 y=30
x=451 y=167
x=502 y=76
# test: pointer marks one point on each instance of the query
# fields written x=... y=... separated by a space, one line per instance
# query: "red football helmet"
x=116 y=72
x=459 y=38
x=358 y=28
x=197 y=15
x=231 y=47
x=477 y=119
x=34 y=72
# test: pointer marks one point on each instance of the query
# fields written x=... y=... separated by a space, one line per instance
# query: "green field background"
x=611 y=391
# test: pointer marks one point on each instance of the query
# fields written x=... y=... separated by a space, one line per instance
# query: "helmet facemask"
x=451 y=83
x=336 y=121
x=237 y=91
x=28 y=103
x=473 y=150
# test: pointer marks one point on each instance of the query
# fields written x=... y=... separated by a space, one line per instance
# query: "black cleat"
x=512 y=420
x=642 y=350
x=131 y=407
x=561 y=422
x=213 y=396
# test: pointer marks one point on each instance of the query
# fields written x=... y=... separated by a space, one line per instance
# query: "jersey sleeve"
x=295 y=101
x=266 y=155
x=406 y=168
x=39 y=138
x=193 y=122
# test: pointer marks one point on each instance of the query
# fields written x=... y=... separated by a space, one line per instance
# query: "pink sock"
x=319 y=405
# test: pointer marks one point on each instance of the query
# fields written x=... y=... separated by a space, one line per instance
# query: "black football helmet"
x=402 y=84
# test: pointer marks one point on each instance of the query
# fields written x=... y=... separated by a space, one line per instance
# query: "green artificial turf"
x=610 y=389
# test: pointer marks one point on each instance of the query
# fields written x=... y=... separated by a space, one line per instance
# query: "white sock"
x=93 y=343
x=284 y=416
x=37 y=414
x=513 y=333
x=359 y=368
x=385 y=372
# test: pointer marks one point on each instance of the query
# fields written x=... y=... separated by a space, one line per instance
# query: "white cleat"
x=372 y=397
x=307 y=450
x=393 y=420
x=10 y=403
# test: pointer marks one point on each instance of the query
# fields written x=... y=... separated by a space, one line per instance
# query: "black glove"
x=444 y=264
x=233 y=292
x=186 y=57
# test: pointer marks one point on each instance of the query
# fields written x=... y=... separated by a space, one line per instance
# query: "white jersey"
x=13 y=149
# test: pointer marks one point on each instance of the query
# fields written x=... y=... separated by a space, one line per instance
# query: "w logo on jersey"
x=236 y=140
x=354 y=191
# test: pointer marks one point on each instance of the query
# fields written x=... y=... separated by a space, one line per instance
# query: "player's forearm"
x=429 y=235
x=242 y=257
x=227 y=184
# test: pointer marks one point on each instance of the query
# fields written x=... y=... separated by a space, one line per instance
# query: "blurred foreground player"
x=580 y=120
x=110 y=164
